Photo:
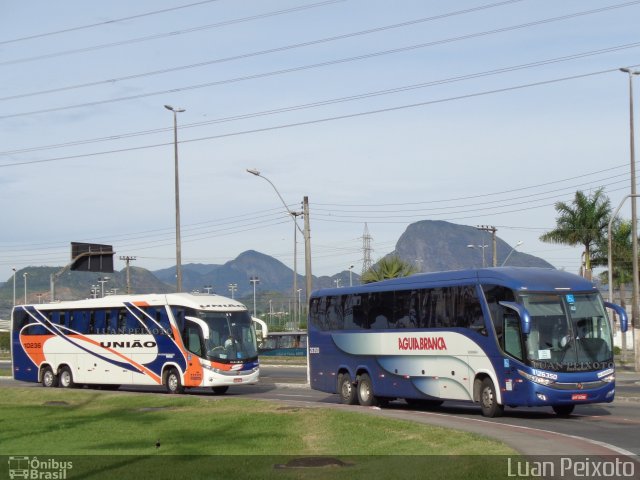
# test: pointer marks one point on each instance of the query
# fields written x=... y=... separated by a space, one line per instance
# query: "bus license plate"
x=579 y=396
x=239 y=380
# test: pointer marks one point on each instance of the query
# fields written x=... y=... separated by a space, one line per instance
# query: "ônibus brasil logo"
x=34 y=468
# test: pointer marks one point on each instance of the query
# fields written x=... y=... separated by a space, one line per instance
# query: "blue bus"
x=492 y=336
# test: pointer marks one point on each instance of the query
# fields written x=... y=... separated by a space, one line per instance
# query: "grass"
x=228 y=432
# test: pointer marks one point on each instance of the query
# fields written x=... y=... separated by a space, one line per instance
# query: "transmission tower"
x=367 y=263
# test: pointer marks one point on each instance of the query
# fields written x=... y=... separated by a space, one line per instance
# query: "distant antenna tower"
x=367 y=263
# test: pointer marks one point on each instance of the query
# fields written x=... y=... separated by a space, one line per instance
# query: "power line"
x=317 y=65
x=106 y=22
x=330 y=101
x=170 y=34
x=317 y=121
x=259 y=53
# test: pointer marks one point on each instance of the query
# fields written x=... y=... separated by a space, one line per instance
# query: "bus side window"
x=78 y=321
x=110 y=322
x=512 y=344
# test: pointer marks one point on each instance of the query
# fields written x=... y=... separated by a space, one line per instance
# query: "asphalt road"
x=592 y=430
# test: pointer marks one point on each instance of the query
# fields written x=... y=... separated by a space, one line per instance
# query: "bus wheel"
x=66 y=378
x=173 y=382
x=48 y=378
x=346 y=390
x=563 y=410
x=489 y=400
x=219 y=390
x=365 y=391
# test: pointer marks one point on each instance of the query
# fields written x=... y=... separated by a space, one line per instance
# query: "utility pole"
x=128 y=259
x=307 y=245
x=367 y=263
x=493 y=230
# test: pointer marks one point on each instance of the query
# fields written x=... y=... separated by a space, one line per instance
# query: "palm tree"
x=388 y=267
x=583 y=222
x=621 y=251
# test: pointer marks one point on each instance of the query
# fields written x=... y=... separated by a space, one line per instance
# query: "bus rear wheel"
x=346 y=390
x=49 y=378
x=563 y=410
x=173 y=383
x=219 y=390
x=365 y=391
x=489 y=400
x=66 y=378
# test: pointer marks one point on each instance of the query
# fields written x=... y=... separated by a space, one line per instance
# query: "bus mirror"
x=622 y=313
x=525 y=319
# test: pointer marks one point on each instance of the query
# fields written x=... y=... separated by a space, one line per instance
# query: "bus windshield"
x=569 y=332
x=227 y=335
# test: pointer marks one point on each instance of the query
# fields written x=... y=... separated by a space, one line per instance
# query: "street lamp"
x=520 y=242
x=102 y=281
x=634 y=219
x=177 y=195
x=294 y=216
x=253 y=281
x=232 y=288
x=351 y=275
x=25 y=274
x=484 y=264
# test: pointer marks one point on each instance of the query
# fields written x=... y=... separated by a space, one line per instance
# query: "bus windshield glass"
x=569 y=332
x=230 y=336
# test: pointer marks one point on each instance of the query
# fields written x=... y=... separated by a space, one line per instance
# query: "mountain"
x=437 y=245
x=430 y=245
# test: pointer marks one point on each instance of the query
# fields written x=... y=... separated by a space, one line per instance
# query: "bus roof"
x=190 y=300
x=516 y=278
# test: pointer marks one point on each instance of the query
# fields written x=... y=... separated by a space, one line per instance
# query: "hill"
x=430 y=245
x=439 y=245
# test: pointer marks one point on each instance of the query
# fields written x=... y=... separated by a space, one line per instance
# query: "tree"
x=582 y=222
x=388 y=267
x=622 y=262
x=621 y=251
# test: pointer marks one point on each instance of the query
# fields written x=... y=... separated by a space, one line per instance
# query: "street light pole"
x=520 y=242
x=254 y=280
x=634 y=219
x=25 y=274
x=294 y=216
x=177 y=195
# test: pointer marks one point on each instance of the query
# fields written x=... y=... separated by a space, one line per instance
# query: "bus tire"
x=346 y=390
x=563 y=410
x=219 y=390
x=65 y=378
x=365 y=391
x=173 y=384
x=49 y=379
x=489 y=400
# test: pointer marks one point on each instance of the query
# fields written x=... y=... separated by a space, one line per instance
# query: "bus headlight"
x=609 y=378
x=536 y=379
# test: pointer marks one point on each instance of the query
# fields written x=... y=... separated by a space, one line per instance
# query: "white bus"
x=177 y=340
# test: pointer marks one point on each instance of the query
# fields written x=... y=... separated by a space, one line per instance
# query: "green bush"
x=617 y=350
x=4 y=341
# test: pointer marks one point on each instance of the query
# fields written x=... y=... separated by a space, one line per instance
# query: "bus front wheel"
x=66 y=378
x=365 y=391
x=346 y=390
x=49 y=378
x=489 y=400
x=173 y=383
x=563 y=410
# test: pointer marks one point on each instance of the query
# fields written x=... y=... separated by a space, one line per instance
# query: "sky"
x=381 y=113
